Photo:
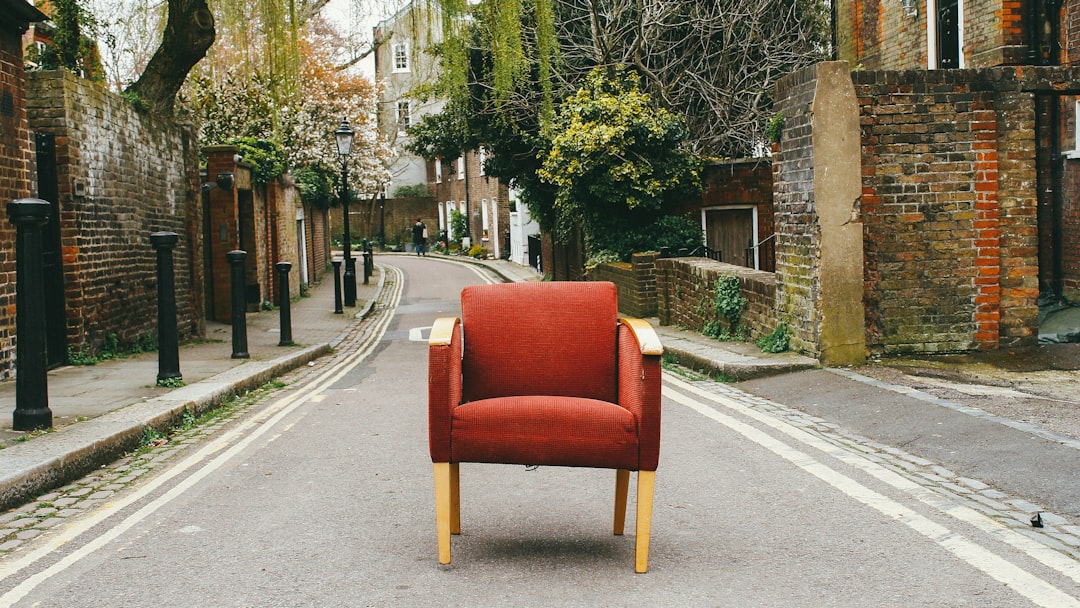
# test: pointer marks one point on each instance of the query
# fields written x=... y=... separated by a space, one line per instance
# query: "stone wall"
x=122 y=175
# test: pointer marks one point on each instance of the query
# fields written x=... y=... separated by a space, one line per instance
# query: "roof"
x=19 y=14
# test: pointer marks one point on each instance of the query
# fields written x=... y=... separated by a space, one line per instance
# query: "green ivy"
x=266 y=157
x=775 y=127
x=775 y=342
x=728 y=306
x=316 y=186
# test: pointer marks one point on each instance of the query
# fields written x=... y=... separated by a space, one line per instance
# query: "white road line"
x=1021 y=581
x=263 y=422
x=1033 y=548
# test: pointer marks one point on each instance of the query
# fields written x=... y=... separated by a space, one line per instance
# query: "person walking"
x=419 y=237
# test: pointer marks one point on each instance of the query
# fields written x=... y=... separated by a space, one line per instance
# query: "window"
x=483 y=157
x=401 y=57
x=461 y=167
x=438 y=170
x=484 y=222
x=404 y=118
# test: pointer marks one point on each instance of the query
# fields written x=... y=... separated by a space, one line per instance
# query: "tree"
x=714 y=63
x=616 y=160
x=189 y=33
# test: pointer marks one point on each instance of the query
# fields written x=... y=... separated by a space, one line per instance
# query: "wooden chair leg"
x=622 y=485
x=646 y=481
x=443 y=508
x=455 y=498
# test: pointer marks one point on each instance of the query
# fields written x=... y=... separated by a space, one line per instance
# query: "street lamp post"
x=344 y=136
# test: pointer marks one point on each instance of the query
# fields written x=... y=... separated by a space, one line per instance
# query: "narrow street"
x=320 y=494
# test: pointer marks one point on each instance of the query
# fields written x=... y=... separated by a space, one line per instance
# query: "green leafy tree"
x=616 y=160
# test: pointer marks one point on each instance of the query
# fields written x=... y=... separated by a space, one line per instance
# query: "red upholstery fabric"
x=539 y=339
x=529 y=377
x=560 y=431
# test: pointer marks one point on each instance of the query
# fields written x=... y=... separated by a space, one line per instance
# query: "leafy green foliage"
x=728 y=306
x=459 y=225
x=615 y=158
x=413 y=191
x=775 y=127
x=673 y=232
x=316 y=185
x=70 y=48
x=266 y=158
x=777 y=341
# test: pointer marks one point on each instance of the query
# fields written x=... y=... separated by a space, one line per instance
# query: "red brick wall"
x=879 y=35
x=949 y=210
x=16 y=147
x=686 y=294
x=140 y=174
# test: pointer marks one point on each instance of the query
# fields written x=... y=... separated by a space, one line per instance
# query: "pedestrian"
x=419 y=237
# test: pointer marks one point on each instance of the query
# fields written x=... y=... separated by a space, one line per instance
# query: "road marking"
x=1023 y=582
x=256 y=426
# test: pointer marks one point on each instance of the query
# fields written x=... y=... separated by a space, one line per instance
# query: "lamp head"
x=344 y=136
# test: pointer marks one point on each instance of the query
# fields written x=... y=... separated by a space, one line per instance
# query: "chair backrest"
x=539 y=338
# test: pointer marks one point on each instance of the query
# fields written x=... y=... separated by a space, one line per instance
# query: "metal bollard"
x=168 y=338
x=284 y=305
x=337 y=286
x=367 y=263
x=239 y=307
x=31 y=381
x=370 y=261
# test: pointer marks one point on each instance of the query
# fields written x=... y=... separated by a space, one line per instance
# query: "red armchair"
x=544 y=373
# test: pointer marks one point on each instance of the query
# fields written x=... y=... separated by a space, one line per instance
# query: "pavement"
x=101 y=411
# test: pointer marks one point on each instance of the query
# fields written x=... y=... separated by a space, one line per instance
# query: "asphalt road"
x=321 y=495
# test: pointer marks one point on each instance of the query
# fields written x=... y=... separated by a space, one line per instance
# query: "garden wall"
x=686 y=293
x=121 y=175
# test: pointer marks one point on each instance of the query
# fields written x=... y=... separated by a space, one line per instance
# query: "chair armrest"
x=645 y=335
x=639 y=385
x=444 y=384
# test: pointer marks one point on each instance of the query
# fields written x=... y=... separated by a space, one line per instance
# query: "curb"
x=52 y=460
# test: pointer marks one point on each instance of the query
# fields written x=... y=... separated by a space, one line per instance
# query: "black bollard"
x=284 y=304
x=239 y=307
x=369 y=261
x=168 y=338
x=31 y=381
x=367 y=267
x=350 y=281
x=337 y=286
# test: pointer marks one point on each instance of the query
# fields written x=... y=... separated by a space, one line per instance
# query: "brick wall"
x=686 y=292
x=879 y=35
x=136 y=174
x=636 y=283
x=15 y=181
x=797 y=228
x=949 y=209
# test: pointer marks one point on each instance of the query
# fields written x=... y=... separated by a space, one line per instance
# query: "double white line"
x=1038 y=591
x=229 y=444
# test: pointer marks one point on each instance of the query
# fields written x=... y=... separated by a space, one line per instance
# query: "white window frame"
x=404 y=118
x=438 y=170
x=484 y=218
x=461 y=167
x=483 y=157
x=400 y=57
x=931 y=34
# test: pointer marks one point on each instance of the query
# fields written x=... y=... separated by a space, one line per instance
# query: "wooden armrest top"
x=645 y=335
x=442 y=331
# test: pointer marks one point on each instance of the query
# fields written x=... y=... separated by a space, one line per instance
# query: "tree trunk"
x=189 y=33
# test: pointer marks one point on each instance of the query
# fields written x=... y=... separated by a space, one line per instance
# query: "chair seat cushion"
x=557 y=431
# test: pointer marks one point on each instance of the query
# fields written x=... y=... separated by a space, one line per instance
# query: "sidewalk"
x=100 y=411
